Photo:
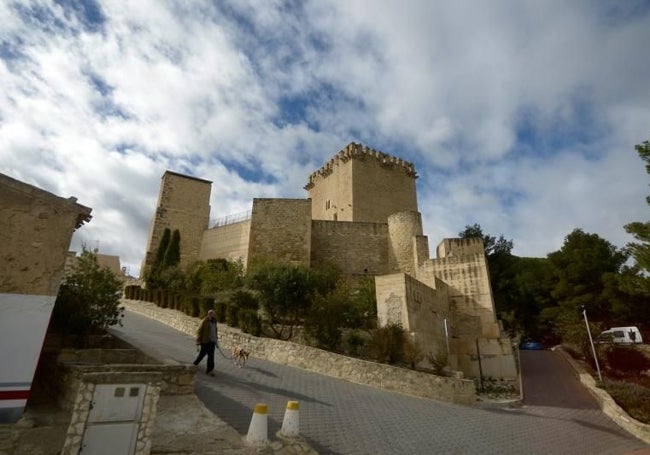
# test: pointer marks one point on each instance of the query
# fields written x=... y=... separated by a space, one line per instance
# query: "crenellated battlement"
x=360 y=152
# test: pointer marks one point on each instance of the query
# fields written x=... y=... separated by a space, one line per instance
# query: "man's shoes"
x=210 y=373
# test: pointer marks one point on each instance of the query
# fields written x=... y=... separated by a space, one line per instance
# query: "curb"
x=607 y=403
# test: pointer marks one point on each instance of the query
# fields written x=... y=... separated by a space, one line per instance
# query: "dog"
x=239 y=356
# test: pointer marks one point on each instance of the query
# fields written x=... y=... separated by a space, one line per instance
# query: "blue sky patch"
x=575 y=125
x=250 y=171
x=88 y=12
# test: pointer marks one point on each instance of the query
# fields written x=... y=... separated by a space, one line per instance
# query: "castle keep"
x=361 y=216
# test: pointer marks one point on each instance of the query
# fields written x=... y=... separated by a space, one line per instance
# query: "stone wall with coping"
x=280 y=230
x=331 y=364
x=229 y=241
x=356 y=248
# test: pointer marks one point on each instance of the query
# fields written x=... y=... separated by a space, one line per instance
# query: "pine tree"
x=641 y=230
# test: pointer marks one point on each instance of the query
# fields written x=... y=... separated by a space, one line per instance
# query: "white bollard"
x=291 y=422
x=258 y=432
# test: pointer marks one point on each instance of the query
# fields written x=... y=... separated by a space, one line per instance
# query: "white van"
x=620 y=335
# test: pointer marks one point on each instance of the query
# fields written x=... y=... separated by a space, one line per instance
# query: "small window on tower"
x=327 y=205
x=335 y=217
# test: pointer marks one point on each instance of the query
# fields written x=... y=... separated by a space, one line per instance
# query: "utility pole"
x=593 y=349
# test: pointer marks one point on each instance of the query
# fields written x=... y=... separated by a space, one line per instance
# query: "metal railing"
x=231 y=219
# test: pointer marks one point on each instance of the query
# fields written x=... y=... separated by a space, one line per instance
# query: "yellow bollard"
x=291 y=422
x=258 y=432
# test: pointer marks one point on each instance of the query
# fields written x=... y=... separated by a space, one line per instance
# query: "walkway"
x=339 y=417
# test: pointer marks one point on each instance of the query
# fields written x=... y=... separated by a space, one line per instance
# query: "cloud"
x=519 y=116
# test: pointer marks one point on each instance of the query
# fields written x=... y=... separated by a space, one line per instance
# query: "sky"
x=519 y=115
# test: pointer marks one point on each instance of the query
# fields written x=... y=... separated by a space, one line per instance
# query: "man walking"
x=206 y=337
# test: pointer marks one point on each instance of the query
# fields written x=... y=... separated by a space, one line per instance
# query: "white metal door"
x=113 y=420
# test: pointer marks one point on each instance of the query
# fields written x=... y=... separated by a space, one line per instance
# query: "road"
x=339 y=417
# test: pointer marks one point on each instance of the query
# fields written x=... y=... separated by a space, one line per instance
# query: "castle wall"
x=330 y=190
x=420 y=309
x=280 y=230
x=183 y=204
x=403 y=229
x=35 y=232
x=463 y=267
x=356 y=248
x=382 y=185
x=361 y=184
x=229 y=242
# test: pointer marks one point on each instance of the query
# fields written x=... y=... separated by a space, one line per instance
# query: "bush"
x=88 y=300
x=387 y=343
x=412 y=352
x=250 y=322
x=627 y=359
x=324 y=323
x=245 y=300
x=634 y=398
x=354 y=342
x=232 y=315
x=220 y=310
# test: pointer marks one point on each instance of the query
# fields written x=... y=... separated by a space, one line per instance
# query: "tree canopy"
x=641 y=230
x=88 y=299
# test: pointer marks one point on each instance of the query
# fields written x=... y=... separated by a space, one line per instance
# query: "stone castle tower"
x=362 y=217
x=183 y=204
x=362 y=184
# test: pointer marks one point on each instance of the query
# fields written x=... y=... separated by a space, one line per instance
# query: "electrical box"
x=114 y=419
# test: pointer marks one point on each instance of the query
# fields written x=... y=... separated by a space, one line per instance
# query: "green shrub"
x=245 y=300
x=387 y=343
x=627 y=359
x=634 y=398
x=354 y=342
x=88 y=299
x=220 y=310
x=323 y=325
x=232 y=315
x=250 y=322
x=412 y=352
x=194 y=309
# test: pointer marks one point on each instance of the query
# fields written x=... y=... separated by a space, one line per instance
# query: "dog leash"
x=224 y=355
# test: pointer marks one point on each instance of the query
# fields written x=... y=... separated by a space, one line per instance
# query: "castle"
x=361 y=215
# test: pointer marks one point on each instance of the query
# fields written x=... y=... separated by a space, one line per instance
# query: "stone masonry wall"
x=420 y=309
x=356 y=248
x=228 y=242
x=469 y=286
x=280 y=230
x=362 y=184
x=403 y=229
x=382 y=185
x=183 y=204
x=323 y=362
x=35 y=231
x=330 y=190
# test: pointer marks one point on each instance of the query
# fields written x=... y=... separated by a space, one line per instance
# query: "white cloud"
x=521 y=116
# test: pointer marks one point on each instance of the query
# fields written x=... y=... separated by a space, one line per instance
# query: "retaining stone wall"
x=355 y=370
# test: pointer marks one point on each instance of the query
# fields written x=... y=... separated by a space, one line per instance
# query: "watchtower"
x=362 y=184
x=183 y=204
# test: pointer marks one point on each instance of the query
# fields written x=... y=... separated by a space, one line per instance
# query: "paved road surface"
x=339 y=417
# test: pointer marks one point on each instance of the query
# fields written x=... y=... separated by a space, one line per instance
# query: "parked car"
x=530 y=344
x=620 y=335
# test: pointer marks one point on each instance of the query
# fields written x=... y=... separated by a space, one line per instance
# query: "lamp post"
x=593 y=349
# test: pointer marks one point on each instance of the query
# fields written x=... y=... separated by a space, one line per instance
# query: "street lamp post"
x=591 y=341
